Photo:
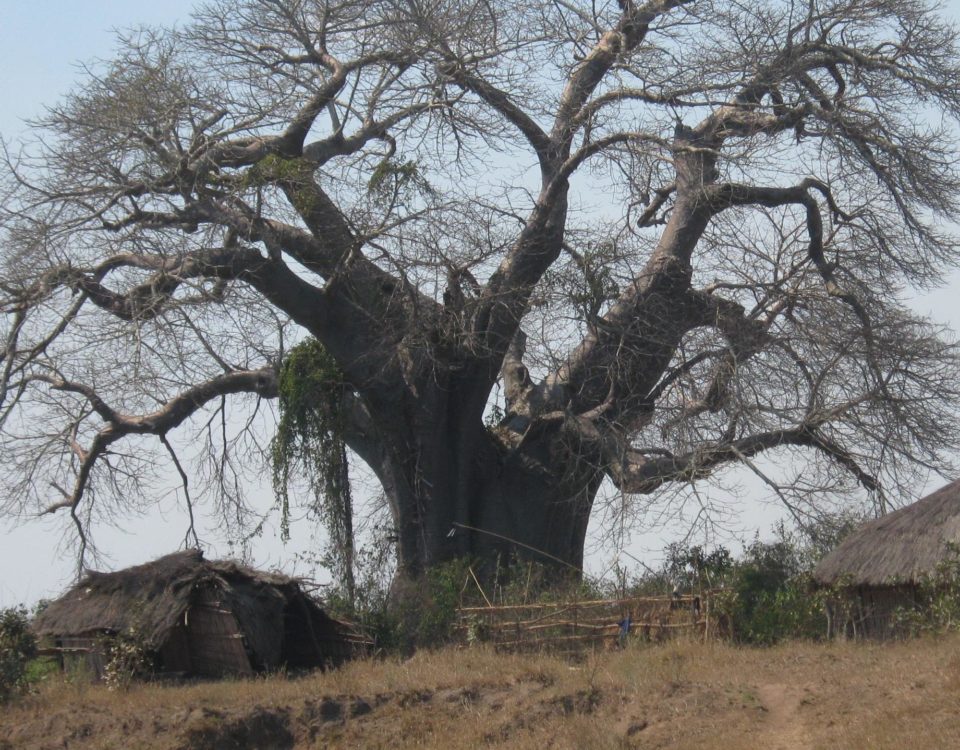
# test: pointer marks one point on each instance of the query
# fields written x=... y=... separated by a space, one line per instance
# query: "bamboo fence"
x=576 y=625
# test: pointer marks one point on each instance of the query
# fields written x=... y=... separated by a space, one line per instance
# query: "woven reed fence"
x=578 y=625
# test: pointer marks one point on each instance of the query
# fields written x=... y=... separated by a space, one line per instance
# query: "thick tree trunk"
x=490 y=495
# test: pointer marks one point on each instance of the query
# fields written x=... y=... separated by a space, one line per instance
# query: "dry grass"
x=677 y=695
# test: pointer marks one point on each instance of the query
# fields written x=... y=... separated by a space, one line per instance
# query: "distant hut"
x=196 y=617
x=881 y=565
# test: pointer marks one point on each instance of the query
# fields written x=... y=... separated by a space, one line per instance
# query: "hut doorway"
x=214 y=637
x=207 y=641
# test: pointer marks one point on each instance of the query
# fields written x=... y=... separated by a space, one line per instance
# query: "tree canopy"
x=539 y=245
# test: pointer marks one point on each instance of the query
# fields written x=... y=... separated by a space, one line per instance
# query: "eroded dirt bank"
x=678 y=695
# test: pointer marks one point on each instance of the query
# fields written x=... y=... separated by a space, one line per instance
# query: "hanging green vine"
x=310 y=438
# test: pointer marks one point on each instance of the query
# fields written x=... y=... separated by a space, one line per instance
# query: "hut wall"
x=879 y=606
x=214 y=636
x=870 y=611
x=82 y=653
x=311 y=639
x=258 y=608
x=175 y=650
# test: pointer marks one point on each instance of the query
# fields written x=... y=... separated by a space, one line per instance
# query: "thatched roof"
x=151 y=598
x=900 y=547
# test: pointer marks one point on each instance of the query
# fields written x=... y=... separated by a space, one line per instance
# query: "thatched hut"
x=196 y=617
x=881 y=566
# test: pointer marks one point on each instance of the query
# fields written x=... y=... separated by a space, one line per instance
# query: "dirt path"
x=784 y=727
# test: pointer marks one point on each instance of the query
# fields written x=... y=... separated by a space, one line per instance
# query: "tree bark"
x=458 y=488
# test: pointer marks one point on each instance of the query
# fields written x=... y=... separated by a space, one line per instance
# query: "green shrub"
x=17 y=647
x=794 y=609
x=126 y=659
x=421 y=614
x=41 y=668
x=402 y=615
x=763 y=589
x=525 y=581
x=937 y=606
x=767 y=594
x=694 y=568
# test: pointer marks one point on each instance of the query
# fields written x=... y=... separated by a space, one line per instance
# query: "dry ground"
x=677 y=695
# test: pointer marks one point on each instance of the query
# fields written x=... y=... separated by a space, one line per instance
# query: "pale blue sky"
x=42 y=41
x=41 y=44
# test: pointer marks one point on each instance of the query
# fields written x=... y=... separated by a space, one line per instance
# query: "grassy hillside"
x=677 y=695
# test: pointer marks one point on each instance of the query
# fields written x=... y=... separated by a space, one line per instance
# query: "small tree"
x=17 y=646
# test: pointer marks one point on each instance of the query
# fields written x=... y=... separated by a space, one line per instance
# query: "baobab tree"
x=525 y=248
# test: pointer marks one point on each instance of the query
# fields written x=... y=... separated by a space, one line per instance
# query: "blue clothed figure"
x=624 y=625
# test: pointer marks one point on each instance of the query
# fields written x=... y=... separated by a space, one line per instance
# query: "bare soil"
x=678 y=695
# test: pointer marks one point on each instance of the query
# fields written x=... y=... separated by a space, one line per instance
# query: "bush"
x=694 y=568
x=421 y=614
x=17 y=647
x=400 y=616
x=764 y=590
x=794 y=609
x=766 y=595
x=937 y=608
x=126 y=659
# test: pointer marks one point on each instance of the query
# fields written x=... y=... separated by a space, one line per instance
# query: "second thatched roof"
x=900 y=547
